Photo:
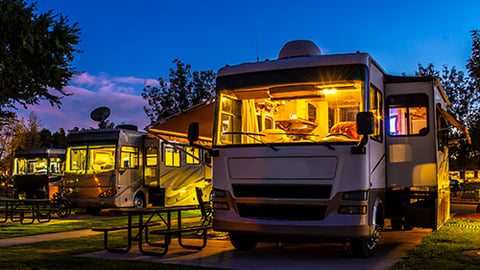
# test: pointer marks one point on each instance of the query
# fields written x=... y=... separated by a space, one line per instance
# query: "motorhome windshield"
x=29 y=166
x=93 y=158
x=309 y=105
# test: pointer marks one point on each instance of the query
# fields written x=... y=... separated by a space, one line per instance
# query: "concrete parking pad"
x=220 y=254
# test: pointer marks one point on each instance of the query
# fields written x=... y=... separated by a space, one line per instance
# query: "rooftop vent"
x=127 y=126
x=299 y=48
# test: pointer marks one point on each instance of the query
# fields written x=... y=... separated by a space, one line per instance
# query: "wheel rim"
x=374 y=238
x=138 y=201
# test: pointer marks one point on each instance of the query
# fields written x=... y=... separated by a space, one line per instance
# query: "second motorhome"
x=311 y=146
x=123 y=167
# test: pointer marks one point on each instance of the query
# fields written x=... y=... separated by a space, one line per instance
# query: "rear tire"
x=139 y=200
x=242 y=242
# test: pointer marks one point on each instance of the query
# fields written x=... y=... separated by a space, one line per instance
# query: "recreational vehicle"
x=37 y=172
x=311 y=146
x=123 y=167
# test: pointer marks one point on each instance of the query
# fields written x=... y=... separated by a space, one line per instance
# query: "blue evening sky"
x=125 y=43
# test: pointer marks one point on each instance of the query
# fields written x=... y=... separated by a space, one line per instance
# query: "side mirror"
x=365 y=123
x=193 y=132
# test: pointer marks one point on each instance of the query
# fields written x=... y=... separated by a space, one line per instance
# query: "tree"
x=463 y=92
x=12 y=136
x=36 y=50
x=473 y=63
x=182 y=90
x=459 y=88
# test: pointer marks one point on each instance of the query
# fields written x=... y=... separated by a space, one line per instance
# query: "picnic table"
x=28 y=210
x=147 y=225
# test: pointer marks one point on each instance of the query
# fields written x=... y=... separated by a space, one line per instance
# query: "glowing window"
x=101 y=158
x=407 y=115
x=376 y=107
x=129 y=157
x=172 y=157
x=151 y=155
x=56 y=166
x=193 y=155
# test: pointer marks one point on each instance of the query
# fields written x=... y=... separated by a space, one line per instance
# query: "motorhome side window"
x=407 y=115
x=129 y=157
x=376 y=107
x=151 y=156
x=192 y=155
x=172 y=156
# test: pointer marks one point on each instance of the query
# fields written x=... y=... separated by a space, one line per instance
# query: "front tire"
x=242 y=242
x=365 y=247
x=63 y=209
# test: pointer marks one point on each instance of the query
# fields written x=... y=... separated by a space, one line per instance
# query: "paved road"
x=462 y=208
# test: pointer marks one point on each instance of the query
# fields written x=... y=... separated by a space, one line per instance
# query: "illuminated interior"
x=129 y=157
x=29 y=166
x=193 y=155
x=407 y=115
x=90 y=159
x=294 y=113
x=172 y=156
x=151 y=160
x=57 y=166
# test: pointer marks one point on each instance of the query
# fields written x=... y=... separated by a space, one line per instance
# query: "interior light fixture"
x=329 y=91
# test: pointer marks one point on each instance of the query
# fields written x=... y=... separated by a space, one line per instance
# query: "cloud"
x=120 y=94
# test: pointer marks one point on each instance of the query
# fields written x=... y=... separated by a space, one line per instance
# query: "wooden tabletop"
x=138 y=211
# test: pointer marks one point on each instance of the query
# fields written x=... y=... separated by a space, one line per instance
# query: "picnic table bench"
x=39 y=209
x=163 y=227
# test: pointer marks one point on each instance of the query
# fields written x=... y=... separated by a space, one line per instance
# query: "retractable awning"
x=177 y=125
x=454 y=122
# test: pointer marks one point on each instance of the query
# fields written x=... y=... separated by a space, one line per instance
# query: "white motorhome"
x=314 y=146
x=123 y=167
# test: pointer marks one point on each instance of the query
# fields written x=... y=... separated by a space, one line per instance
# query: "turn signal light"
x=220 y=206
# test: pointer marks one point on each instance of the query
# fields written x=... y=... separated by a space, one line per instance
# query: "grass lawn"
x=61 y=254
x=443 y=249
x=15 y=229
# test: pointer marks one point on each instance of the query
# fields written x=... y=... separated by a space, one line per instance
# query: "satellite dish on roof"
x=100 y=115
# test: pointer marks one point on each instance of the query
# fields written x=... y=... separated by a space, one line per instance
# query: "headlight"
x=218 y=193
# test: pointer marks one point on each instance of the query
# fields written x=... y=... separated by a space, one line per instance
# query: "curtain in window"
x=249 y=121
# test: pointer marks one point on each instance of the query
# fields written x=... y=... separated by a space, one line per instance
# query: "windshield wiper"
x=252 y=135
x=307 y=137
